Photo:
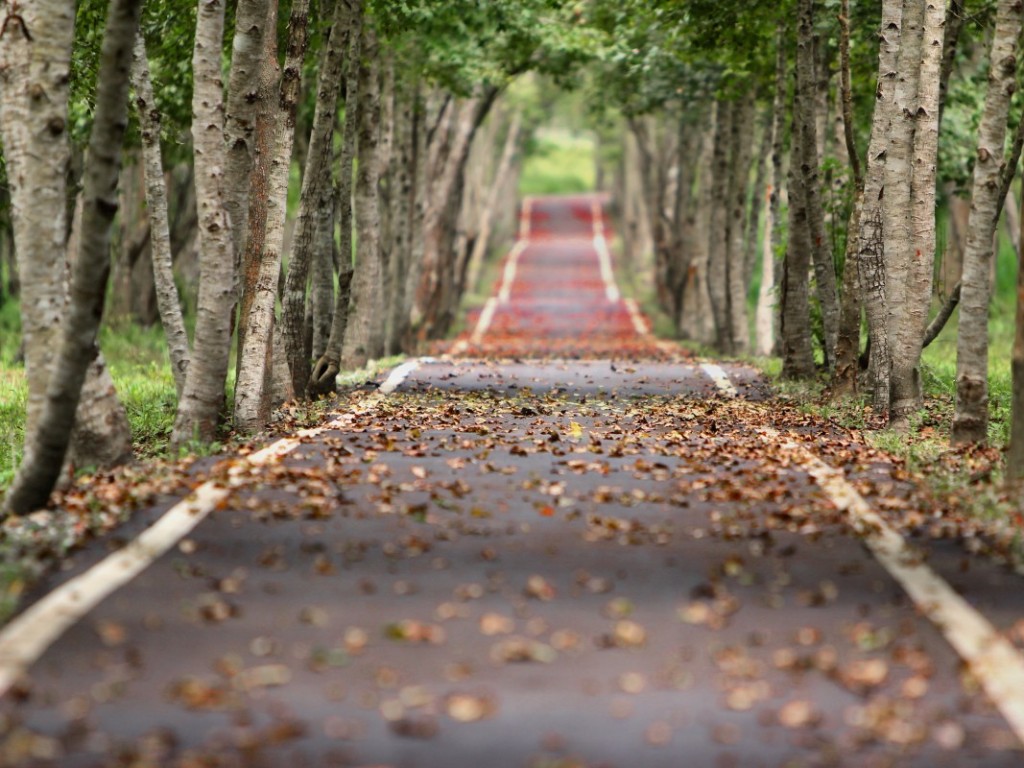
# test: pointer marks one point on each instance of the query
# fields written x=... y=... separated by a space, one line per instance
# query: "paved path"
x=634 y=559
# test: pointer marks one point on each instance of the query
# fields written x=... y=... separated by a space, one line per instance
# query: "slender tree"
x=203 y=397
x=970 y=421
x=49 y=440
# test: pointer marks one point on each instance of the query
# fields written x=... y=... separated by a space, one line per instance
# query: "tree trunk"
x=402 y=193
x=49 y=441
x=718 y=271
x=970 y=421
x=1015 y=453
x=844 y=375
x=366 y=282
x=490 y=207
x=870 y=255
x=795 y=322
x=326 y=369
x=899 y=193
x=736 y=267
x=255 y=381
x=203 y=397
x=315 y=201
x=167 y=297
x=809 y=161
x=955 y=16
x=766 y=314
x=34 y=81
x=908 y=332
x=243 y=100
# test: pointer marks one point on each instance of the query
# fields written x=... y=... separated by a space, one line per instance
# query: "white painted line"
x=639 y=324
x=29 y=635
x=484 y=322
x=400 y=374
x=509 y=275
x=717 y=375
x=992 y=659
x=524 y=218
x=604 y=257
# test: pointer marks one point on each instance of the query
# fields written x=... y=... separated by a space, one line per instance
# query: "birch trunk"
x=49 y=440
x=718 y=273
x=168 y=301
x=490 y=206
x=870 y=257
x=366 y=282
x=765 y=313
x=203 y=397
x=810 y=175
x=736 y=270
x=899 y=187
x=908 y=333
x=402 y=196
x=251 y=19
x=34 y=80
x=795 y=322
x=1015 y=453
x=326 y=369
x=315 y=199
x=253 y=389
x=970 y=421
x=844 y=375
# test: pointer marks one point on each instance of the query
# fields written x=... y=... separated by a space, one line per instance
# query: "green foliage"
x=558 y=162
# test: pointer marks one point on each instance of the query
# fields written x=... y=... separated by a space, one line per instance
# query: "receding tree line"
x=741 y=126
x=784 y=110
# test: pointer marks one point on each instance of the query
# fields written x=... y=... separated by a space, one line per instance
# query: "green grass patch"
x=559 y=162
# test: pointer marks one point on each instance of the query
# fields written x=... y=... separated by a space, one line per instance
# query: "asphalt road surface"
x=564 y=544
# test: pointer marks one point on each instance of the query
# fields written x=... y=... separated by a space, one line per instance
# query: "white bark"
x=200 y=403
x=35 y=56
x=253 y=388
x=908 y=333
x=167 y=297
x=366 y=282
x=970 y=422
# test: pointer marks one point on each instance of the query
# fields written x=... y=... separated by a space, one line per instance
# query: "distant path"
x=563 y=544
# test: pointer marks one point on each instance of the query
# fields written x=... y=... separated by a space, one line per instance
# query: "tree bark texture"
x=870 y=254
x=970 y=421
x=1015 y=453
x=252 y=18
x=168 y=301
x=326 y=368
x=767 y=314
x=718 y=271
x=899 y=188
x=844 y=375
x=49 y=440
x=253 y=389
x=200 y=403
x=315 y=213
x=742 y=142
x=402 y=192
x=366 y=282
x=35 y=60
x=810 y=175
x=908 y=331
x=795 y=322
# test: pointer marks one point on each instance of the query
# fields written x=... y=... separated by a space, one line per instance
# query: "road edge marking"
x=720 y=378
x=993 y=660
x=28 y=636
x=508 y=275
x=604 y=258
